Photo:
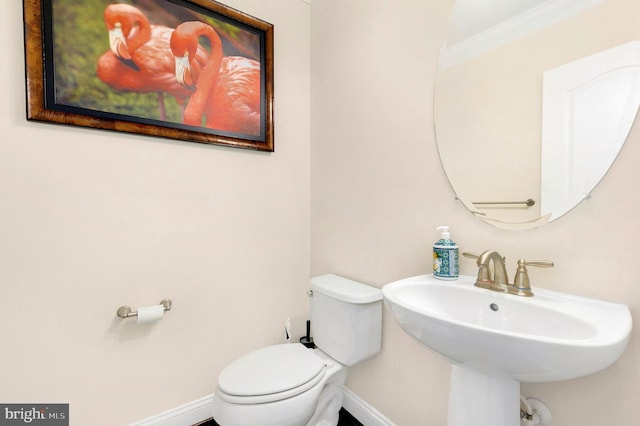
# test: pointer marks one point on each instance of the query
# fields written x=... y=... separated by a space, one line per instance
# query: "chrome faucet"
x=499 y=281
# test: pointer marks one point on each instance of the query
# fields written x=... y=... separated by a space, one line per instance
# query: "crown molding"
x=536 y=18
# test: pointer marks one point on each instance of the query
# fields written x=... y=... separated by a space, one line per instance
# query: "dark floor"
x=346 y=419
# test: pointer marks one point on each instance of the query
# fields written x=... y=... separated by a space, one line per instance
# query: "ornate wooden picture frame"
x=192 y=70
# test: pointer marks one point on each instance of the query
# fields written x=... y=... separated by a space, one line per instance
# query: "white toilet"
x=291 y=385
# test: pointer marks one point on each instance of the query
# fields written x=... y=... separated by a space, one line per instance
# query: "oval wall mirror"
x=533 y=101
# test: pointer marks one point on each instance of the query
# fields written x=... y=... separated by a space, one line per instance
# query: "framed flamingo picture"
x=192 y=70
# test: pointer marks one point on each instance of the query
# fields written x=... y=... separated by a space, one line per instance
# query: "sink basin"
x=548 y=337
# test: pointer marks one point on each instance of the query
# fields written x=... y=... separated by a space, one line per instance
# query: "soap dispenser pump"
x=445 y=256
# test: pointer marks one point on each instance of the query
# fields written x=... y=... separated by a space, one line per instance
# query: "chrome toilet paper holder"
x=125 y=311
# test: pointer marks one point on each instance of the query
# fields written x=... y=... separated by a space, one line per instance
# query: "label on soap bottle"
x=445 y=262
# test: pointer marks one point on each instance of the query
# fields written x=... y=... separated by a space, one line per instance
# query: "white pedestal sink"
x=497 y=340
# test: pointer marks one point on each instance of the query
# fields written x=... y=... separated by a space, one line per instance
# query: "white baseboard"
x=200 y=410
x=188 y=414
x=361 y=410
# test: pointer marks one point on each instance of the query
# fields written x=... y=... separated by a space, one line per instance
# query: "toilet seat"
x=270 y=374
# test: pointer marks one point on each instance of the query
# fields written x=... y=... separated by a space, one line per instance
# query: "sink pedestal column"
x=482 y=396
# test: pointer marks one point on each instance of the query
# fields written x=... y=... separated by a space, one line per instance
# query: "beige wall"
x=91 y=220
x=378 y=192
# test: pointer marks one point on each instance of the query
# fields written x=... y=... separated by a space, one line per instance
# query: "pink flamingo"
x=227 y=89
x=139 y=59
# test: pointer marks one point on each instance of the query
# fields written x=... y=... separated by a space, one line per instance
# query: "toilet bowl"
x=278 y=385
x=292 y=385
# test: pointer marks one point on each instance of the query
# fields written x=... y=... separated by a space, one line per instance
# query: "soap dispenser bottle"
x=445 y=256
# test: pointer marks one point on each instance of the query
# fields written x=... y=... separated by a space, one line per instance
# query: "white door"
x=588 y=108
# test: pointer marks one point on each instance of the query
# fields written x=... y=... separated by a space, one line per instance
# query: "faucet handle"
x=476 y=256
x=521 y=284
x=484 y=275
x=470 y=255
x=538 y=263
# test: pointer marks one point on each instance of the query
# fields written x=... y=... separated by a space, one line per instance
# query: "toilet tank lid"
x=345 y=289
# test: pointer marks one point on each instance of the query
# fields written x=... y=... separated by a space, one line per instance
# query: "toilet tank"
x=346 y=318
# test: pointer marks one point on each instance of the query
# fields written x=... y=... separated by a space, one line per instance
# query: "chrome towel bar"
x=528 y=203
